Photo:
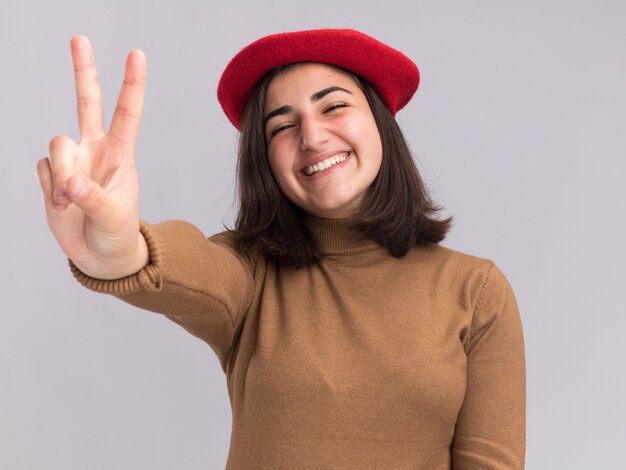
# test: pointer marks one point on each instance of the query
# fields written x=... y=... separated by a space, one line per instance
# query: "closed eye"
x=280 y=128
x=334 y=106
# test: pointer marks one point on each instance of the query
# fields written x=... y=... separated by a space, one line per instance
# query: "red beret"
x=393 y=75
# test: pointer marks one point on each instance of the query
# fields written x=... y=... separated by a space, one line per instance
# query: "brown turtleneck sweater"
x=364 y=361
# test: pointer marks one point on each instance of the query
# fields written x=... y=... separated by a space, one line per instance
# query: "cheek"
x=364 y=130
x=281 y=167
x=372 y=145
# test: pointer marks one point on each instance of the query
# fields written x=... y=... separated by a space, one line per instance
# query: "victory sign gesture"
x=90 y=187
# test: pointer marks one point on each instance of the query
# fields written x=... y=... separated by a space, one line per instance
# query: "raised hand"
x=90 y=187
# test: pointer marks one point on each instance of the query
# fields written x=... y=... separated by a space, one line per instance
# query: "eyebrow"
x=322 y=93
x=315 y=97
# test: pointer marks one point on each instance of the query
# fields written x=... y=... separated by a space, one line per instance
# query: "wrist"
x=118 y=267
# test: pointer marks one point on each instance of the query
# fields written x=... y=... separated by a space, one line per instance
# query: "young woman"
x=349 y=337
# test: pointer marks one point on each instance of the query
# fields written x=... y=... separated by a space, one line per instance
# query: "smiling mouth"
x=325 y=164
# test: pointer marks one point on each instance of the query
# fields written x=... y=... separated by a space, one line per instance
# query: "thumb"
x=86 y=194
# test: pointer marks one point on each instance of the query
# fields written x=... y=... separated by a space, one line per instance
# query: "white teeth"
x=323 y=165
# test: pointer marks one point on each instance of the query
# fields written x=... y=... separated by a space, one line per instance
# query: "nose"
x=313 y=134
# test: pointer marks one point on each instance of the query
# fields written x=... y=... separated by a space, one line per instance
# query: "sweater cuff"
x=148 y=278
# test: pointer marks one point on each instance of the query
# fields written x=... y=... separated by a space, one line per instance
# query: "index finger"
x=88 y=95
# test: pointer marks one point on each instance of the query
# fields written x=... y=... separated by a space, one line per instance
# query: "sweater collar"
x=337 y=236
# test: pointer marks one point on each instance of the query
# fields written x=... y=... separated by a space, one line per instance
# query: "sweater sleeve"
x=491 y=428
x=202 y=284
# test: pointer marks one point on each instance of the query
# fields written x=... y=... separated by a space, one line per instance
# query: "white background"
x=519 y=127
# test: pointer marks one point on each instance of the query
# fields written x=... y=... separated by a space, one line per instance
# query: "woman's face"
x=323 y=144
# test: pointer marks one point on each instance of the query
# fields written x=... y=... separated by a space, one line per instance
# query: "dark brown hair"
x=397 y=211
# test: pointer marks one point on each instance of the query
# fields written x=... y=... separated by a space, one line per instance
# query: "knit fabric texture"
x=362 y=361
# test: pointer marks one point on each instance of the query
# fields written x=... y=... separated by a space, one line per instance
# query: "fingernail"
x=60 y=196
